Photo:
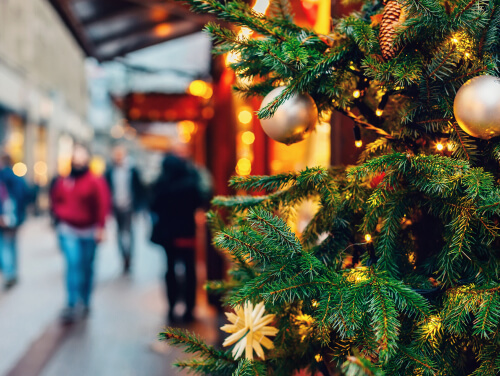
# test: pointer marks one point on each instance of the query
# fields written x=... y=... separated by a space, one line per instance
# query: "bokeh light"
x=245 y=117
x=20 y=169
x=163 y=29
x=200 y=88
x=40 y=168
x=244 y=167
x=97 y=165
x=117 y=131
x=248 y=138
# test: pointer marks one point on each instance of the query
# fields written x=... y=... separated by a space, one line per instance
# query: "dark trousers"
x=125 y=236
x=176 y=284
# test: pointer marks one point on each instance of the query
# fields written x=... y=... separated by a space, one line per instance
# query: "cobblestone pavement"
x=119 y=338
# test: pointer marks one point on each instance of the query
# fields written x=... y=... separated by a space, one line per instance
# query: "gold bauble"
x=477 y=107
x=293 y=121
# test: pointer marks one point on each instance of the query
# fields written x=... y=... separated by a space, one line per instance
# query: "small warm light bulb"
x=439 y=146
x=245 y=32
x=356 y=93
x=232 y=58
x=186 y=126
x=248 y=138
x=358 y=143
x=208 y=93
x=318 y=357
x=379 y=112
x=455 y=40
x=134 y=113
x=244 y=167
x=163 y=29
x=198 y=88
x=261 y=6
x=368 y=238
x=467 y=55
x=412 y=258
x=245 y=117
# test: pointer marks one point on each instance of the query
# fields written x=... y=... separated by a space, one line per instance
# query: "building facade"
x=43 y=91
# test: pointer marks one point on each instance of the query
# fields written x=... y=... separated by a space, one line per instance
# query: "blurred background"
x=135 y=76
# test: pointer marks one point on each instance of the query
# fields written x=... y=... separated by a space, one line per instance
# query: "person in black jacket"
x=127 y=194
x=176 y=197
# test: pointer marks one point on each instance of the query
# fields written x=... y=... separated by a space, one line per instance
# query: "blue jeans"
x=79 y=253
x=8 y=253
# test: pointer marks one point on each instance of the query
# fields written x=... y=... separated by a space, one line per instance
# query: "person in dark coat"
x=127 y=196
x=176 y=197
x=14 y=197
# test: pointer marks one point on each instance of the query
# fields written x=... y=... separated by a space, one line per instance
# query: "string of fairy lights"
x=458 y=42
x=245 y=117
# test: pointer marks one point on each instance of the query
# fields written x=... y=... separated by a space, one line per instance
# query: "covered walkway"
x=119 y=338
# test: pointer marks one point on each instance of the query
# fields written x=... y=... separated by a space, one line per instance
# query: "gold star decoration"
x=249 y=327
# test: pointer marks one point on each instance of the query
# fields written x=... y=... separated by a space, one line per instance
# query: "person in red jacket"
x=80 y=204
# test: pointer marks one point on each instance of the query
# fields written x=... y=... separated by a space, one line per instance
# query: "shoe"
x=85 y=312
x=126 y=266
x=68 y=315
x=10 y=283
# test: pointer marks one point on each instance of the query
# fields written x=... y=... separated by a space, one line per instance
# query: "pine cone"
x=391 y=18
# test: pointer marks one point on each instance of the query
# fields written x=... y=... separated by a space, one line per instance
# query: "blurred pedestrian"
x=14 y=197
x=80 y=203
x=127 y=196
x=176 y=197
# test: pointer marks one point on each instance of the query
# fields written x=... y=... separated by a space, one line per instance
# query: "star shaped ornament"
x=249 y=328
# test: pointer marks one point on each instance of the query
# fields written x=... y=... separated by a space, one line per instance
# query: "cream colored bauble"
x=477 y=107
x=293 y=121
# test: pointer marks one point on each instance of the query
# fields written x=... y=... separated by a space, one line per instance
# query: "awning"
x=106 y=29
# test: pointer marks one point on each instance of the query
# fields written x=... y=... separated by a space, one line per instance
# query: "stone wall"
x=37 y=46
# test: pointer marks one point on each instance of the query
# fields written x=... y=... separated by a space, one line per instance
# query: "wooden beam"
x=74 y=25
x=123 y=40
x=133 y=42
x=124 y=29
x=132 y=30
x=115 y=16
x=172 y=7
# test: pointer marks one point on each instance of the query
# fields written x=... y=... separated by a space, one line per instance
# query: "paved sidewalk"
x=117 y=339
x=30 y=307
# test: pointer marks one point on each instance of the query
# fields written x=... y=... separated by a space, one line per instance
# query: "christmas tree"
x=398 y=271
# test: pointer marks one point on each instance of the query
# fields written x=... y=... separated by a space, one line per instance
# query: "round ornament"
x=477 y=107
x=293 y=121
